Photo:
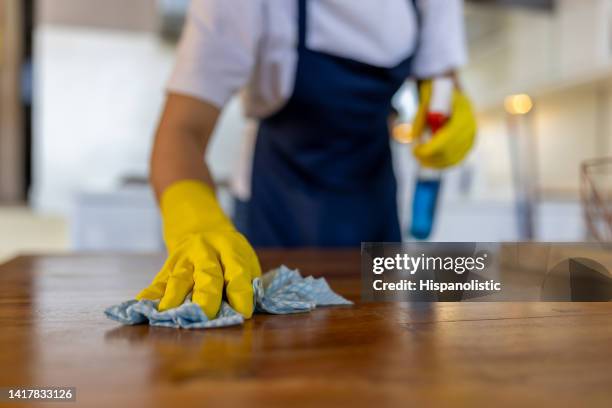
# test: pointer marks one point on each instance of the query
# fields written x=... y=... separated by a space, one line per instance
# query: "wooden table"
x=53 y=332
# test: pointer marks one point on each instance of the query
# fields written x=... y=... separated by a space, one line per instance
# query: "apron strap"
x=302 y=22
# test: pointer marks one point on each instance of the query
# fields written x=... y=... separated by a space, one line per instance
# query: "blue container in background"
x=428 y=181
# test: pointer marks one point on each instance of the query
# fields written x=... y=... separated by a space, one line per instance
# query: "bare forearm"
x=180 y=142
x=177 y=156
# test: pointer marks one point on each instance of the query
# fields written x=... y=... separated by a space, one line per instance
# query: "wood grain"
x=53 y=332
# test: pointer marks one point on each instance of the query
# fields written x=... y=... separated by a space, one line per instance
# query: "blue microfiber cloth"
x=280 y=291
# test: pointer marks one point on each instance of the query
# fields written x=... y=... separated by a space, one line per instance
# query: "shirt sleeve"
x=442 y=44
x=217 y=50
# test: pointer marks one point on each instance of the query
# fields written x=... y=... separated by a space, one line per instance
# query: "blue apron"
x=322 y=170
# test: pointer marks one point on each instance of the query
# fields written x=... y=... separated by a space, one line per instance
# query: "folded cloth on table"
x=279 y=291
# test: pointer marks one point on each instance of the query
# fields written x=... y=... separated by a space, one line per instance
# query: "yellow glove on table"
x=205 y=254
x=453 y=141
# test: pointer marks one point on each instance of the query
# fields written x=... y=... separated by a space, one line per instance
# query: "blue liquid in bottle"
x=424 y=204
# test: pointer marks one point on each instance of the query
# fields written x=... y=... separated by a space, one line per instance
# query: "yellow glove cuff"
x=190 y=206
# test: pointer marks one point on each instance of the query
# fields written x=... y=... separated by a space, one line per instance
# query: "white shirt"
x=229 y=46
x=250 y=45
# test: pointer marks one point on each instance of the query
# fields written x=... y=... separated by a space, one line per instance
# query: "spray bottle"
x=428 y=180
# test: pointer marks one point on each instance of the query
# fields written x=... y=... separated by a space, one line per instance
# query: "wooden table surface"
x=53 y=333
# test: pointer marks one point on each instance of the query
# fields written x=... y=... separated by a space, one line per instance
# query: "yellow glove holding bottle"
x=205 y=254
x=453 y=141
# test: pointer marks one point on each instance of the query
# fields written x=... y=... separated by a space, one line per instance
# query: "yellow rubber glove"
x=205 y=254
x=453 y=141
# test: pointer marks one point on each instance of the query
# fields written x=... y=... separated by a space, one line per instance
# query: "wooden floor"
x=53 y=332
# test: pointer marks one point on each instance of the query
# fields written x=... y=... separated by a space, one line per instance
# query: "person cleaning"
x=317 y=78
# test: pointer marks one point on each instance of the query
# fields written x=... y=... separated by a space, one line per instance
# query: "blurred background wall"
x=98 y=84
